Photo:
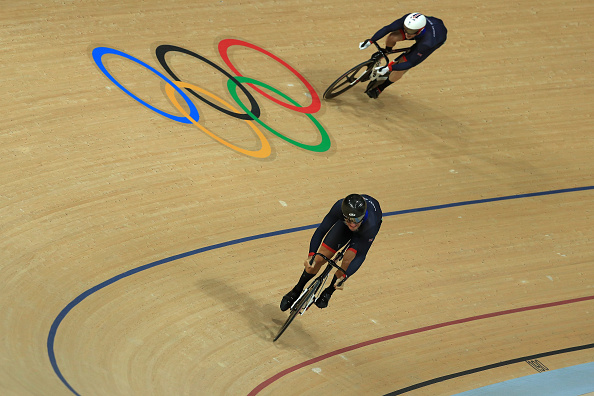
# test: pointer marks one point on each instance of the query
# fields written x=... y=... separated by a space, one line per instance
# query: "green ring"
x=324 y=145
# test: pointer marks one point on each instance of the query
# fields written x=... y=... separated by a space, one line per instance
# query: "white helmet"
x=415 y=21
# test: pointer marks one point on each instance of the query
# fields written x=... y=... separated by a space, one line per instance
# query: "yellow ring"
x=264 y=151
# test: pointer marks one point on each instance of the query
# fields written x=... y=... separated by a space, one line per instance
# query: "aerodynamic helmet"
x=354 y=208
x=414 y=22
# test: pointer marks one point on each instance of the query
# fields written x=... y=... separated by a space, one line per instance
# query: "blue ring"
x=98 y=54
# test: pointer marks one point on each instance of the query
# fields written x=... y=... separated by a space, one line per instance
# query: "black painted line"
x=485 y=368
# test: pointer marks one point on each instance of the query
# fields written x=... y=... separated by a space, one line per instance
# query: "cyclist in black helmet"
x=356 y=218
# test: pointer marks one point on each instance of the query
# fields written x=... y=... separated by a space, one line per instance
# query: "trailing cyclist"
x=356 y=218
x=429 y=34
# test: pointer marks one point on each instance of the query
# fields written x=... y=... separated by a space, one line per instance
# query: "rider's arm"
x=361 y=243
x=360 y=254
x=332 y=217
x=398 y=24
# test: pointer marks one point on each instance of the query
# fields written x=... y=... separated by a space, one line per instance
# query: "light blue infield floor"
x=568 y=381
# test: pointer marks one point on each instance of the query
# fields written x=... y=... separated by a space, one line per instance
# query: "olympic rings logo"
x=250 y=115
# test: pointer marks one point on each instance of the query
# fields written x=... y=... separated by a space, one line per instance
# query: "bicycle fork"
x=308 y=304
x=374 y=73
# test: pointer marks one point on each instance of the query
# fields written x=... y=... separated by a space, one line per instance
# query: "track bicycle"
x=365 y=71
x=314 y=290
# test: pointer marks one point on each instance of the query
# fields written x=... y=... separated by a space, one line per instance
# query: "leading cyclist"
x=429 y=34
x=356 y=218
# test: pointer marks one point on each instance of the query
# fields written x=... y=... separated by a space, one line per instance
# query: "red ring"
x=315 y=99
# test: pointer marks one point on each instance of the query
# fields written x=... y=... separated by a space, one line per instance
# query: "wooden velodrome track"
x=141 y=256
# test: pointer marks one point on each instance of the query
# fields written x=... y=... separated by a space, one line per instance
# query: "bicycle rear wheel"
x=298 y=306
x=349 y=79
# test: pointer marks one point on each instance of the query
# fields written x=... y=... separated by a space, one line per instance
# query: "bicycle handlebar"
x=329 y=261
x=382 y=51
x=385 y=54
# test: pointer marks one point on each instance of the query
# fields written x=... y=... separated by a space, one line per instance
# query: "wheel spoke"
x=347 y=81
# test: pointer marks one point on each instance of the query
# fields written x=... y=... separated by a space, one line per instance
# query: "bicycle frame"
x=373 y=75
x=320 y=281
x=309 y=295
x=366 y=71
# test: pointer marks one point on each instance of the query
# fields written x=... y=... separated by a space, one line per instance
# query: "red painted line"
x=289 y=370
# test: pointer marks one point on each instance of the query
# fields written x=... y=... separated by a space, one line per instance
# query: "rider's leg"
x=338 y=235
x=394 y=76
x=393 y=38
x=322 y=302
x=397 y=74
x=349 y=255
x=309 y=272
x=346 y=261
x=319 y=261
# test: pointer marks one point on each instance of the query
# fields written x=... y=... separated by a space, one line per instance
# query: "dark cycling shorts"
x=338 y=236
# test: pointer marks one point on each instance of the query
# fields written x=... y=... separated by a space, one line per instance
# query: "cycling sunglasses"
x=355 y=220
x=411 y=31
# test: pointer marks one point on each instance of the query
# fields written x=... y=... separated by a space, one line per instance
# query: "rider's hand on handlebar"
x=382 y=71
x=364 y=44
x=340 y=283
x=308 y=263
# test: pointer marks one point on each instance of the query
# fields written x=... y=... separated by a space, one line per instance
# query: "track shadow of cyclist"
x=452 y=136
x=264 y=320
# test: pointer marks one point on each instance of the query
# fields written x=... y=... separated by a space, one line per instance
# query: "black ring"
x=162 y=50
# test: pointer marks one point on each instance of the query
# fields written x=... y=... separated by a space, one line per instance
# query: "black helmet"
x=354 y=208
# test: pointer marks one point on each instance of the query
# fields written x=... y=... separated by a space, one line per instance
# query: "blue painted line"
x=54 y=327
x=487 y=200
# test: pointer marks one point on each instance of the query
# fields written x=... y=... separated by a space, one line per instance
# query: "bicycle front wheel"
x=349 y=79
x=297 y=307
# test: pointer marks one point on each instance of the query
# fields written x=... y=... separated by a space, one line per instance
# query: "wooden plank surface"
x=94 y=184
